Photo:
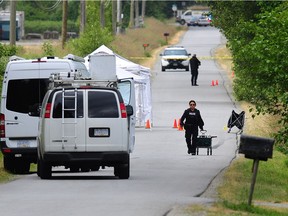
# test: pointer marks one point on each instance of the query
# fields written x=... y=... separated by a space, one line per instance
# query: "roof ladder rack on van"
x=74 y=58
x=68 y=121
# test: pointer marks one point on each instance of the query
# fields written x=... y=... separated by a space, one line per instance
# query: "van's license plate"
x=101 y=132
x=23 y=143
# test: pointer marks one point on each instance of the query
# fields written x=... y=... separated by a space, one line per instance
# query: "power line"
x=48 y=8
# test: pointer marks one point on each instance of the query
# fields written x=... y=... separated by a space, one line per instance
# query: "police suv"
x=175 y=57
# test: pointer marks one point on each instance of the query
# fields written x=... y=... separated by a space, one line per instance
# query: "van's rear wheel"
x=16 y=165
x=22 y=166
x=44 y=169
x=122 y=170
x=9 y=164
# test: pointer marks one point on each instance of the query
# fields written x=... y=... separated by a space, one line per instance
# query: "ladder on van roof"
x=73 y=79
x=66 y=95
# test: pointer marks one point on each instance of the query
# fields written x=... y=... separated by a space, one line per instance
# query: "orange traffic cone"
x=212 y=83
x=148 y=126
x=216 y=82
x=175 y=124
x=180 y=128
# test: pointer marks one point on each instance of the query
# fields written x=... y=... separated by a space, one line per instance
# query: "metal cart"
x=204 y=141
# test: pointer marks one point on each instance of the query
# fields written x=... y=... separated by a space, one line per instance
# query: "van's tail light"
x=2 y=125
x=47 y=110
x=123 y=110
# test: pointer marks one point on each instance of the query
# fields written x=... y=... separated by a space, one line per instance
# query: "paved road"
x=162 y=173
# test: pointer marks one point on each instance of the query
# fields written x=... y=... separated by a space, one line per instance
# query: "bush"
x=91 y=39
x=48 y=49
x=34 y=27
x=5 y=52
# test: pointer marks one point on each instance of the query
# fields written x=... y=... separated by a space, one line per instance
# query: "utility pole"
x=143 y=9
x=83 y=15
x=114 y=16
x=102 y=14
x=12 y=33
x=64 y=22
x=137 y=13
x=119 y=18
x=131 y=22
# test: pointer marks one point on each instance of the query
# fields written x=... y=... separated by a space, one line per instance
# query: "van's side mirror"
x=34 y=110
x=129 y=110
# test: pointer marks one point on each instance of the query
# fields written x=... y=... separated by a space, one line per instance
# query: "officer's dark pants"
x=191 y=134
x=194 y=77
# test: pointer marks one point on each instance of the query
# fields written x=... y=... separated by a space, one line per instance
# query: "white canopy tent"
x=141 y=76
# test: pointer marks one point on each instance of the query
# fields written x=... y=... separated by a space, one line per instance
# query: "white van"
x=189 y=17
x=25 y=83
x=86 y=125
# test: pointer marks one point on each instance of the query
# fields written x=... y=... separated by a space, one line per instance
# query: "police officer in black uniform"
x=194 y=65
x=191 y=120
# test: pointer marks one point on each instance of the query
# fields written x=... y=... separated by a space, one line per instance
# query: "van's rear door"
x=127 y=90
x=25 y=91
x=27 y=84
x=106 y=126
x=67 y=124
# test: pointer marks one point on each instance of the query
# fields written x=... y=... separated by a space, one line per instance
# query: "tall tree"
x=257 y=35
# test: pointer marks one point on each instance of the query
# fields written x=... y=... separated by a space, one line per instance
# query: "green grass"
x=227 y=208
x=4 y=176
x=271 y=182
x=244 y=209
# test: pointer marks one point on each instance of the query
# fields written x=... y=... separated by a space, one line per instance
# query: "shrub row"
x=34 y=27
